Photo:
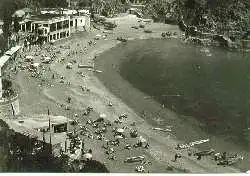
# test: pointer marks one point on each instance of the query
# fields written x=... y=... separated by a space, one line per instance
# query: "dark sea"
x=212 y=85
x=209 y=85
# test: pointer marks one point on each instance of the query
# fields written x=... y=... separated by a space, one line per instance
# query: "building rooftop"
x=64 y=11
x=41 y=121
x=31 y=127
x=44 y=17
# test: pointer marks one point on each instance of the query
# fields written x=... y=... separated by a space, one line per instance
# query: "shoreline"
x=161 y=146
x=131 y=87
x=135 y=99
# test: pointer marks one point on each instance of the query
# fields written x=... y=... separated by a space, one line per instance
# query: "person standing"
x=69 y=99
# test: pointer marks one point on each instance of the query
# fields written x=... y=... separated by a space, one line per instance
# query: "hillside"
x=218 y=16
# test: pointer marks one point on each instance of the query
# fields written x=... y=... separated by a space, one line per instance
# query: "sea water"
x=211 y=85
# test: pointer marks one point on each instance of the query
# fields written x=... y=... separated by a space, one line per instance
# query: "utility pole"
x=49 y=127
x=69 y=3
x=91 y=9
x=49 y=133
x=43 y=139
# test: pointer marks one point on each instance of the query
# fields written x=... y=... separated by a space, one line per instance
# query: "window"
x=28 y=25
x=60 y=128
x=65 y=24
x=23 y=27
x=53 y=27
x=40 y=31
x=59 y=25
x=71 y=23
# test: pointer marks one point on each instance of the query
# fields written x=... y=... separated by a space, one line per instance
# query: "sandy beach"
x=37 y=94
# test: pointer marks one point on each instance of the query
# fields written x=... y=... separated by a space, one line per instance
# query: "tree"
x=3 y=43
x=54 y=3
x=7 y=8
x=84 y=3
x=94 y=166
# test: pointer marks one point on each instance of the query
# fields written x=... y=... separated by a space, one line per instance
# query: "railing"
x=9 y=100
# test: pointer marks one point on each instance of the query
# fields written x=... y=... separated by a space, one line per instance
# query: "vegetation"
x=107 y=8
x=94 y=166
x=218 y=16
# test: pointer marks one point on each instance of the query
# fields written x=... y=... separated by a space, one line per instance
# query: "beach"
x=37 y=95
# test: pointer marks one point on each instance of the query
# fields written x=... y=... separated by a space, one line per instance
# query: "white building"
x=79 y=19
x=47 y=26
x=79 y=23
x=54 y=24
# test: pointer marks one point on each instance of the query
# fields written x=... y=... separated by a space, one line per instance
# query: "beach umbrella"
x=141 y=139
x=120 y=130
x=47 y=58
x=69 y=65
x=29 y=57
x=103 y=115
x=118 y=137
x=87 y=156
x=35 y=65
